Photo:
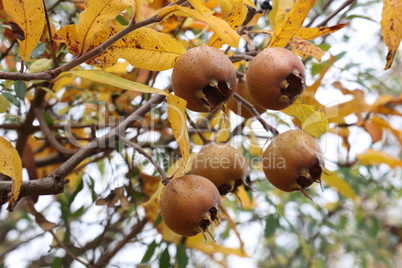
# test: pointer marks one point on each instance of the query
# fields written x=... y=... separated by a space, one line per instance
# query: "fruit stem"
x=256 y=114
x=138 y=148
x=197 y=130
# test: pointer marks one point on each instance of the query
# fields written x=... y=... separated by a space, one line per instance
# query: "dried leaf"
x=373 y=157
x=374 y=129
x=219 y=26
x=11 y=166
x=343 y=188
x=43 y=223
x=391 y=25
x=384 y=124
x=27 y=20
x=292 y=23
x=305 y=48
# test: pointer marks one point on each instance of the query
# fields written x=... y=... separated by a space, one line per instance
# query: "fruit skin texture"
x=293 y=161
x=222 y=164
x=276 y=77
x=189 y=204
x=205 y=77
x=238 y=108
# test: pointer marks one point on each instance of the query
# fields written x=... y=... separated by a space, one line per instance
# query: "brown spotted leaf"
x=292 y=23
x=27 y=19
x=96 y=14
x=144 y=48
x=391 y=25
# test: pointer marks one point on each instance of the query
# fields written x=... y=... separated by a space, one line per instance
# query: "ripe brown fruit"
x=276 y=77
x=222 y=164
x=293 y=161
x=190 y=204
x=237 y=107
x=204 y=77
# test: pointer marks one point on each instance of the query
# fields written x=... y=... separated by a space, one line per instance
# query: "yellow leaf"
x=292 y=23
x=144 y=48
x=312 y=121
x=27 y=19
x=305 y=48
x=391 y=26
x=219 y=26
x=384 y=124
x=227 y=6
x=333 y=180
x=373 y=157
x=199 y=5
x=312 y=33
x=235 y=20
x=280 y=9
x=176 y=114
x=96 y=14
x=210 y=247
x=245 y=200
x=177 y=119
x=11 y=165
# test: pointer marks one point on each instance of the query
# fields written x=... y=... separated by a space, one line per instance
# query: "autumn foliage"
x=99 y=124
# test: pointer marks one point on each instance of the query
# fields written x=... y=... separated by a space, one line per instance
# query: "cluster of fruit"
x=205 y=78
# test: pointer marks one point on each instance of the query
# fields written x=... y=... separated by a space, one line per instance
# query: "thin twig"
x=51 y=74
x=197 y=130
x=61 y=244
x=49 y=135
x=333 y=14
x=108 y=255
x=138 y=148
x=256 y=114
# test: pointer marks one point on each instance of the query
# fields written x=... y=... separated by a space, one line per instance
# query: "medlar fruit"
x=238 y=108
x=293 y=161
x=276 y=77
x=222 y=164
x=190 y=204
x=204 y=77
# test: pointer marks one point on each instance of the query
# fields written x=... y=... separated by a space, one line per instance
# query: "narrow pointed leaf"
x=391 y=25
x=11 y=166
x=292 y=23
x=96 y=14
x=218 y=25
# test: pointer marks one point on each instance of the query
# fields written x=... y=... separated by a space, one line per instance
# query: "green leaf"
x=150 y=252
x=181 y=256
x=20 y=89
x=271 y=222
x=120 y=19
x=11 y=98
x=164 y=261
x=57 y=263
x=38 y=51
x=4 y=104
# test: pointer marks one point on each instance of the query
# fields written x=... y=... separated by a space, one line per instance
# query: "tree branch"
x=256 y=114
x=51 y=74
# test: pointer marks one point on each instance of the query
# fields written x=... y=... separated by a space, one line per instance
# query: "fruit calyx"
x=292 y=87
x=215 y=94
